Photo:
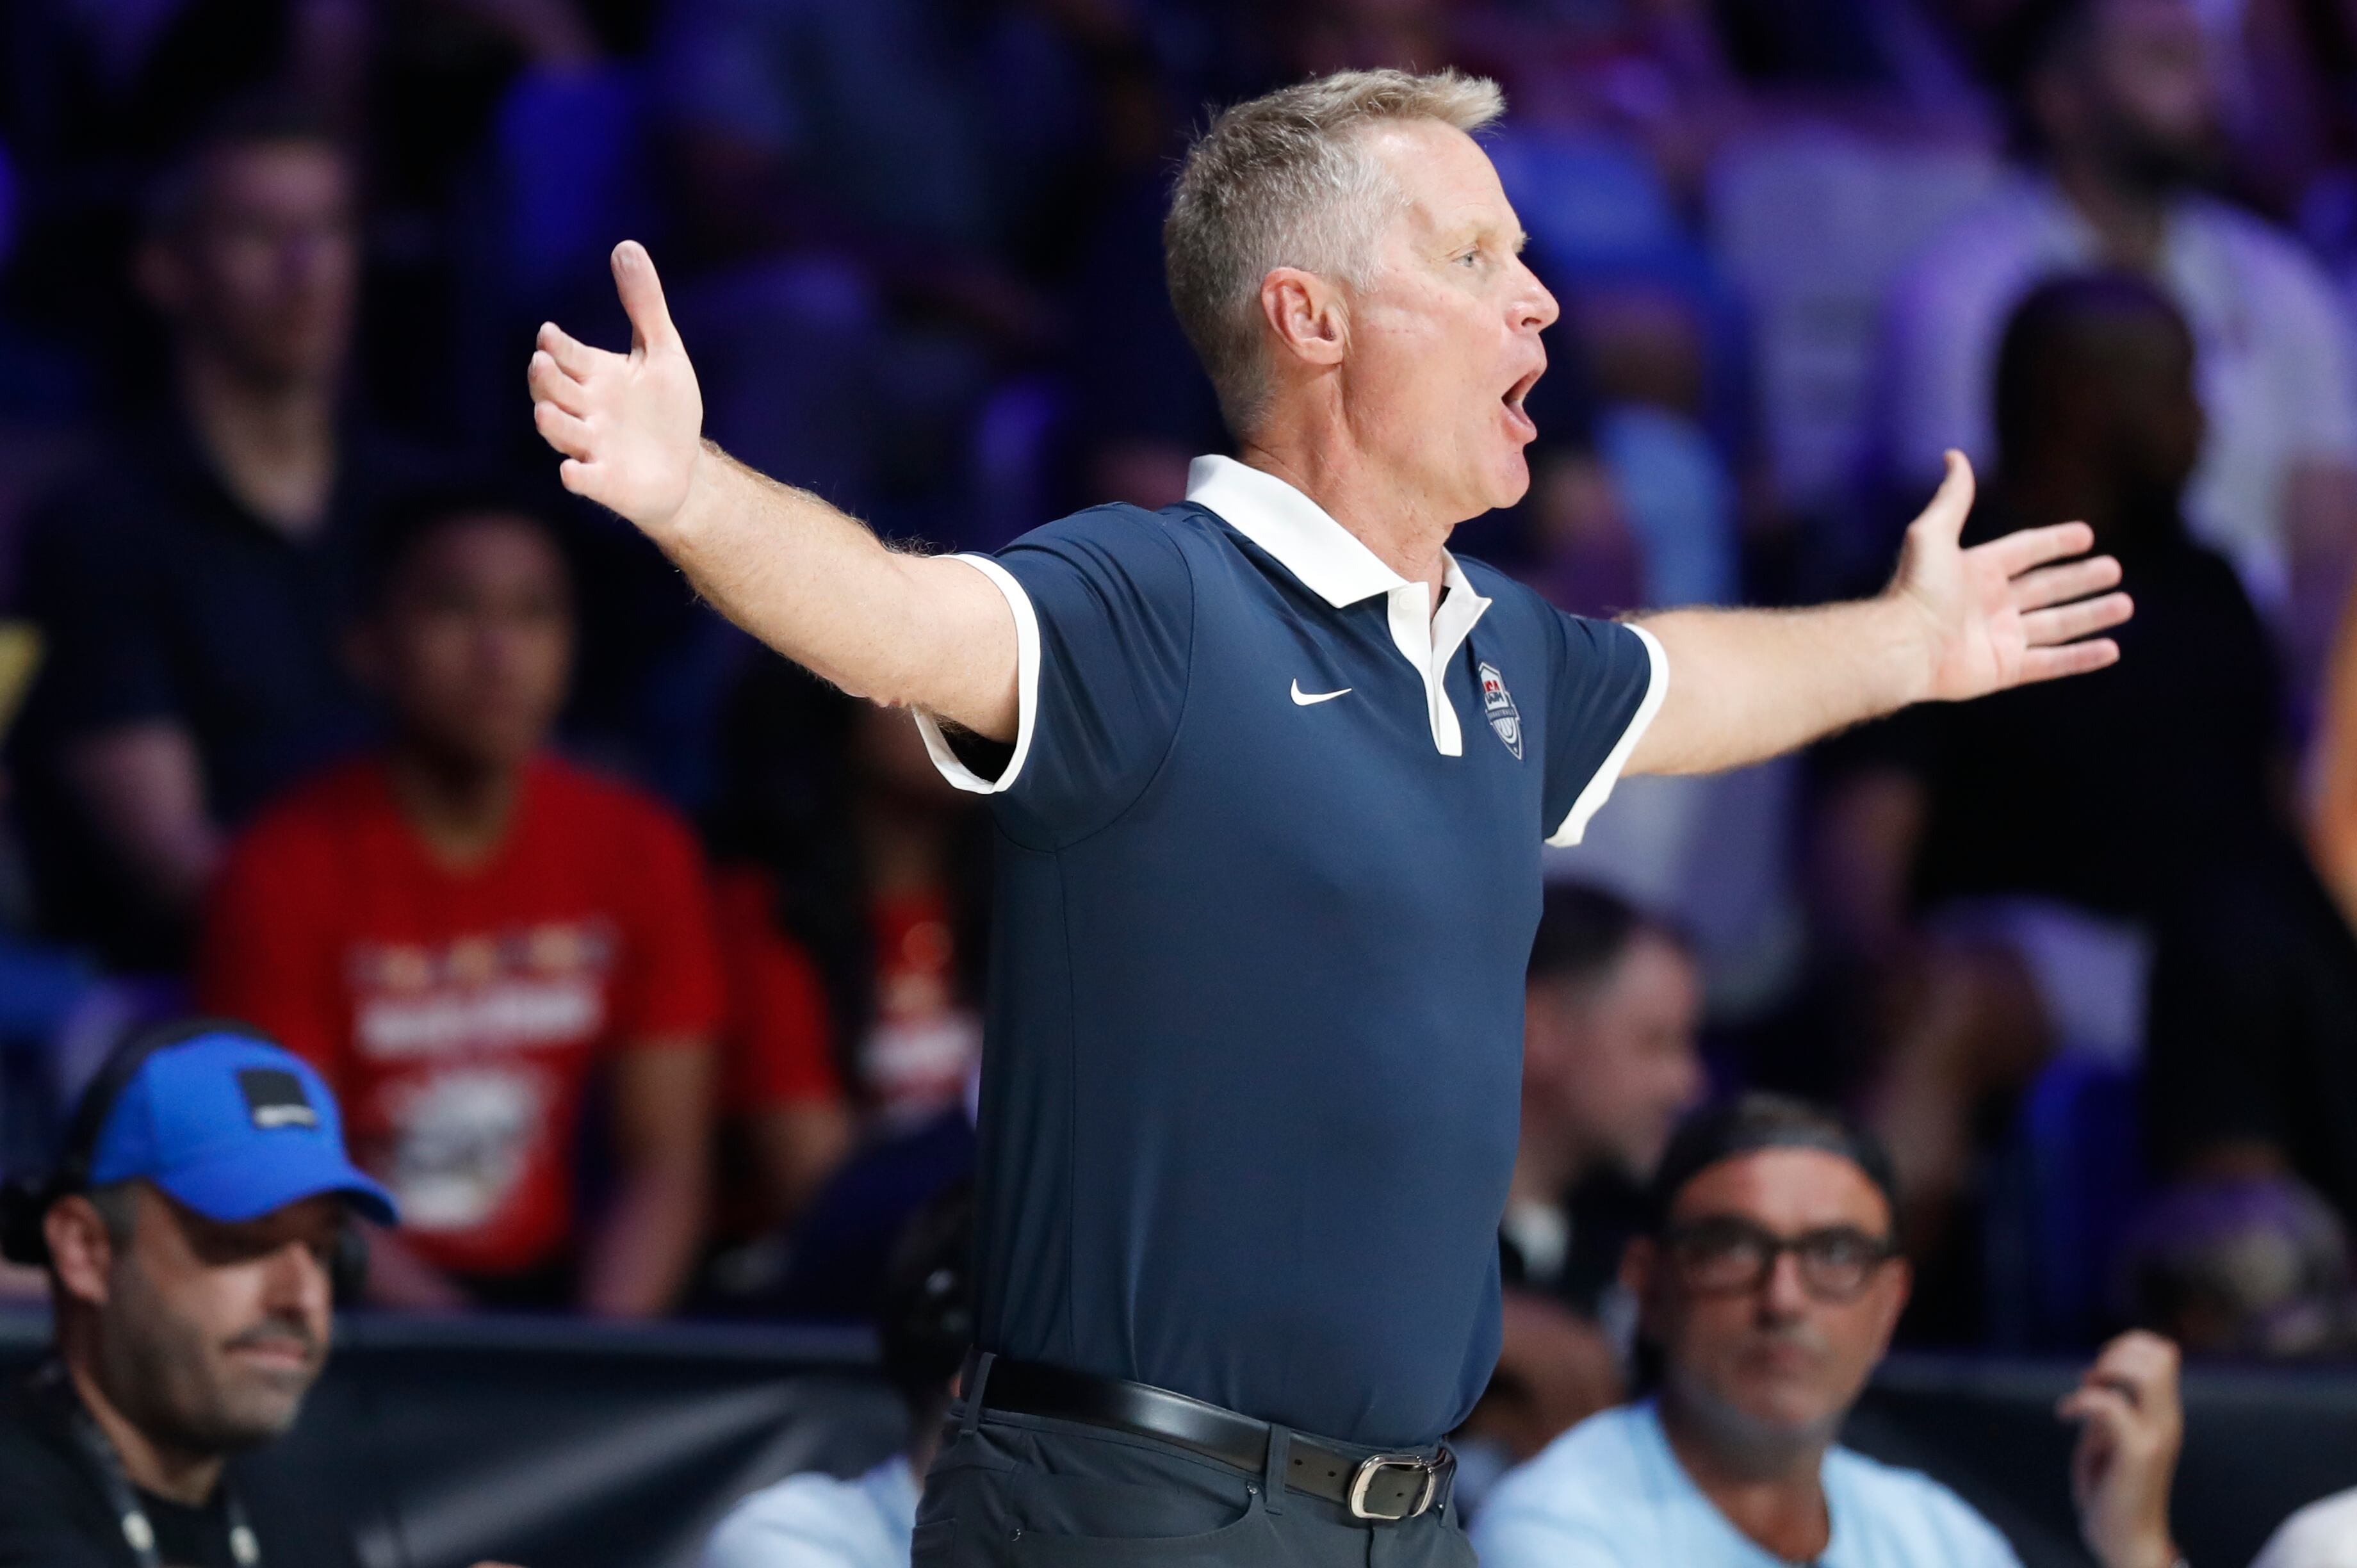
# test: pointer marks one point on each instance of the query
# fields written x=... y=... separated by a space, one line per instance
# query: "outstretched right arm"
x=811 y=581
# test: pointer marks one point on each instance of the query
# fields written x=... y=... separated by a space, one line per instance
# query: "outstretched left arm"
x=1746 y=685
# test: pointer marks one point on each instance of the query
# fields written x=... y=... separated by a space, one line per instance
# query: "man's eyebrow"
x=1482 y=232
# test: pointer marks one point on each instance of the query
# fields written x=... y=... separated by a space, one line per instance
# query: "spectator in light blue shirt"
x=1769 y=1283
x=814 y=1520
x=925 y=1321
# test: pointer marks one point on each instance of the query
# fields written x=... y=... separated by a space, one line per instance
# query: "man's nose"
x=299 y=1282
x=1784 y=1294
x=1535 y=309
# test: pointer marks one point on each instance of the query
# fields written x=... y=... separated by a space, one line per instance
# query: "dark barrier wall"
x=563 y=1445
x=556 y=1444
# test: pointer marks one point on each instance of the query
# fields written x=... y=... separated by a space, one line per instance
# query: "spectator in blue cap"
x=195 y=1230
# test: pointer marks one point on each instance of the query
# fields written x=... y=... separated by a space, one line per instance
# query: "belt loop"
x=970 y=1417
x=1272 y=1473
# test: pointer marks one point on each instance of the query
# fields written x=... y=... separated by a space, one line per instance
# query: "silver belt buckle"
x=1370 y=1468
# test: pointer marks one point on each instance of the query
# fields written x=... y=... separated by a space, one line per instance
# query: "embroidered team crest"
x=1498 y=707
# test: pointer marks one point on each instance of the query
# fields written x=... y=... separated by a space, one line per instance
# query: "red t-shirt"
x=459 y=1015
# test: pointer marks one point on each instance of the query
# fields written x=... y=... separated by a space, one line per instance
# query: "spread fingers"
x=561 y=430
x=2068 y=623
x=551 y=384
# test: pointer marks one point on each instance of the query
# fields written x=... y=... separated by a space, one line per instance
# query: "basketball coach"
x=1271 y=769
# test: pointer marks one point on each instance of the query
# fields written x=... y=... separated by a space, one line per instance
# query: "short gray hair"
x=1287 y=180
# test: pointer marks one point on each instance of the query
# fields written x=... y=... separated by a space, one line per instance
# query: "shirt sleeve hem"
x=1599 y=786
x=1027 y=692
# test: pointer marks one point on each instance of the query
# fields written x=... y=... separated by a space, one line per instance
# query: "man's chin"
x=1787 y=1416
x=1766 y=1409
x=1748 y=1412
x=1509 y=481
x=264 y=1398
x=257 y=1418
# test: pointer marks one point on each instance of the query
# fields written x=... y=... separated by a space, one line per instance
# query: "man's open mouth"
x=1514 y=395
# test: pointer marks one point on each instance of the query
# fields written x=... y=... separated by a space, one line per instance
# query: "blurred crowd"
x=645 y=967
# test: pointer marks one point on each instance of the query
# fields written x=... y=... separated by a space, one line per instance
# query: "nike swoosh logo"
x=1311 y=699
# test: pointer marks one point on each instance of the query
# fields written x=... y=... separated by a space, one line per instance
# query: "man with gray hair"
x=1249 y=1102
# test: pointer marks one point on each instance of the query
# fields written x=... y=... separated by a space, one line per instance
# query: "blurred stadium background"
x=647 y=968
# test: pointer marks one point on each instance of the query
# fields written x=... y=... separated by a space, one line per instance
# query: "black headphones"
x=25 y=1200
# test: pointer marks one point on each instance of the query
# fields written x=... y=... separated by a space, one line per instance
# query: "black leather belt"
x=1382 y=1486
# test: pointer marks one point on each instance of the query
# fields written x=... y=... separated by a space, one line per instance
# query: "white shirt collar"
x=1336 y=564
x=1330 y=560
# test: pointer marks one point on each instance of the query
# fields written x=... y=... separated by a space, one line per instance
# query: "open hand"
x=2005 y=613
x=630 y=425
x=2131 y=1425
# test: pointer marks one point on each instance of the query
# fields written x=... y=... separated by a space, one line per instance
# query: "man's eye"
x=1719 y=1243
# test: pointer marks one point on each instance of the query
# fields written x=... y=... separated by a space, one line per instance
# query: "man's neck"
x=1773 y=1493
x=2131 y=225
x=273 y=443
x=1376 y=508
x=461 y=809
x=161 y=1468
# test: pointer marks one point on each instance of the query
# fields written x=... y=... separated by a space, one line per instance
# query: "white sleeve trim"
x=1026 y=690
x=1600 y=788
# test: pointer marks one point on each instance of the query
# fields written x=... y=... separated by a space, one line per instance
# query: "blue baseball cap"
x=234 y=1127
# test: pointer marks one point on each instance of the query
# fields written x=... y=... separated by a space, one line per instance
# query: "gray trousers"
x=1008 y=1490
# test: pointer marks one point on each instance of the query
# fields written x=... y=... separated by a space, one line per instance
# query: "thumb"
x=642 y=298
x=1953 y=501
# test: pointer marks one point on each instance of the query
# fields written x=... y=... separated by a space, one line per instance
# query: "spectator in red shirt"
x=471 y=937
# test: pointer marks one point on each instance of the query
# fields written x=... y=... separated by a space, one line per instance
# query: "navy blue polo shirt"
x=1268 y=878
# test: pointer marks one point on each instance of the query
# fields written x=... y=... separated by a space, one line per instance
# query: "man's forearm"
x=143 y=786
x=1746 y=685
x=821 y=588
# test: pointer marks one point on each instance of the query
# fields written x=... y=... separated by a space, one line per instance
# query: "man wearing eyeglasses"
x=1770 y=1283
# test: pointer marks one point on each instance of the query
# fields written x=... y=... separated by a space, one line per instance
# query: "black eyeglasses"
x=1722 y=1256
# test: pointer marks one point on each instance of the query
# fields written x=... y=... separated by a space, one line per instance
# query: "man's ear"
x=80 y=1251
x=1309 y=316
